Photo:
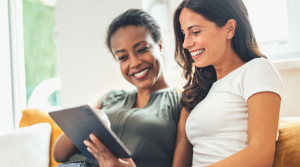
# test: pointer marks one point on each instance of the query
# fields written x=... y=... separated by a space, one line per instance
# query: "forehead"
x=189 y=18
x=128 y=36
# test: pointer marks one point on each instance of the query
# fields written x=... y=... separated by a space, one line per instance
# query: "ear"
x=231 y=24
x=160 y=45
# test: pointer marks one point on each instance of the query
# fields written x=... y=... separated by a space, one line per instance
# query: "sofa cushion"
x=27 y=146
x=288 y=145
x=34 y=116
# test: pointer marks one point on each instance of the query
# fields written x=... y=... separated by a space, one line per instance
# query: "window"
x=42 y=84
x=276 y=25
x=11 y=65
x=267 y=22
x=6 y=113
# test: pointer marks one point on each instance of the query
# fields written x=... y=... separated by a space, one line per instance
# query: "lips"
x=196 y=53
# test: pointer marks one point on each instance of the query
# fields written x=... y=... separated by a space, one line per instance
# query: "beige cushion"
x=288 y=145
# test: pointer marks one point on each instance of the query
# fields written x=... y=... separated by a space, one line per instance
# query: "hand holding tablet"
x=79 y=122
x=104 y=156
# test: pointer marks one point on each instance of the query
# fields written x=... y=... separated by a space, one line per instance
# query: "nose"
x=188 y=42
x=135 y=61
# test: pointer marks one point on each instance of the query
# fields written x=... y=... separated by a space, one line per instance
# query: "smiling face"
x=207 y=43
x=139 y=57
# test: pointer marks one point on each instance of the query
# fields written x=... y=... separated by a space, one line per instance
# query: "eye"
x=122 y=58
x=196 y=32
x=143 y=50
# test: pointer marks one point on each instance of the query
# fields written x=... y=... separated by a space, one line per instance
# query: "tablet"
x=79 y=122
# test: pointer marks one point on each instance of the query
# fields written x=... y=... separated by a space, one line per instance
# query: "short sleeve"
x=112 y=98
x=261 y=76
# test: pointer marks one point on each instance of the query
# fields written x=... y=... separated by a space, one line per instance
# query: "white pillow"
x=28 y=146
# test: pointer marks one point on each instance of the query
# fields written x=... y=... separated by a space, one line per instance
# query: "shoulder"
x=170 y=99
x=261 y=67
x=260 y=75
x=169 y=96
x=115 y=94
x=176 y=92
x=260 y=63
x=111 y=97
x=172 y=93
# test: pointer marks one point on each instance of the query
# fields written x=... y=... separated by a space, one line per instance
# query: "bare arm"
x=64 y=148
x=183 y=148
x=262 y=130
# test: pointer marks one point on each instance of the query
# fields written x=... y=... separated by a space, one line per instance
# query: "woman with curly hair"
x=144 y=118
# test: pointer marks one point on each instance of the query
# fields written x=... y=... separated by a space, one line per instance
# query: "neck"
x=143 y=95
x=227 y=64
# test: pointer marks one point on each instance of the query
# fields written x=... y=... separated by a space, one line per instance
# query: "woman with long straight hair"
x=233 y=93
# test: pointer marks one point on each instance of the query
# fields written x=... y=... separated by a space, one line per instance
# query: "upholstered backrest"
x=34 y=116
x=288 y=145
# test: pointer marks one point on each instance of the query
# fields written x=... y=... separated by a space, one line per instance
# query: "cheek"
x=220 y=47
x=124 y=69
x=203 y=41
x=157 y=63
x=216 y=46
x=219 y=41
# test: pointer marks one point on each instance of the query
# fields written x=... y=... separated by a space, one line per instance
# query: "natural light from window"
x=269 y=19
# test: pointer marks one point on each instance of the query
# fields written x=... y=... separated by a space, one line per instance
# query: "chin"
x=145 y=85
x=200 y=65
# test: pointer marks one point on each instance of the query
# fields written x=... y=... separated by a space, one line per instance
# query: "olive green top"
x=150 y=132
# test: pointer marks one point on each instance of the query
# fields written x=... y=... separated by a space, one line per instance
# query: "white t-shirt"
x=217 y=127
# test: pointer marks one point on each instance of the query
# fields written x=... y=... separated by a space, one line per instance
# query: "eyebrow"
x=134 y=46
x=192 y=27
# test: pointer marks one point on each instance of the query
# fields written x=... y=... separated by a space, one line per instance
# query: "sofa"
x=34 y=121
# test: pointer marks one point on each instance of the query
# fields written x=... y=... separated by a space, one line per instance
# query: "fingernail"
x=85 y=142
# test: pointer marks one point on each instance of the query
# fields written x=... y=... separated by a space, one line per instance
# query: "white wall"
x=291 y=93
x=87 y=70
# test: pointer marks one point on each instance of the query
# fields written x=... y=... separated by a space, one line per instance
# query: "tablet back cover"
x=79 y=122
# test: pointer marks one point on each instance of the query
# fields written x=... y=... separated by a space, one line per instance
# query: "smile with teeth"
x=197 y=52
x=141 y=74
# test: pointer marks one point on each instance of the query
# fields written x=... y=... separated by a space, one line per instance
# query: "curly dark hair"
x=200 y=80
x=135 y=17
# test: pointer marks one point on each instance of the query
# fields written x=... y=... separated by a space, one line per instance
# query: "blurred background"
x=54 y=55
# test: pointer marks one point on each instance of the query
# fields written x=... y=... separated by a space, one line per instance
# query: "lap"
x=77 y=164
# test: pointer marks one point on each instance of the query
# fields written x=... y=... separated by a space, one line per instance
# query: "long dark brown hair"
x=200 y=80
